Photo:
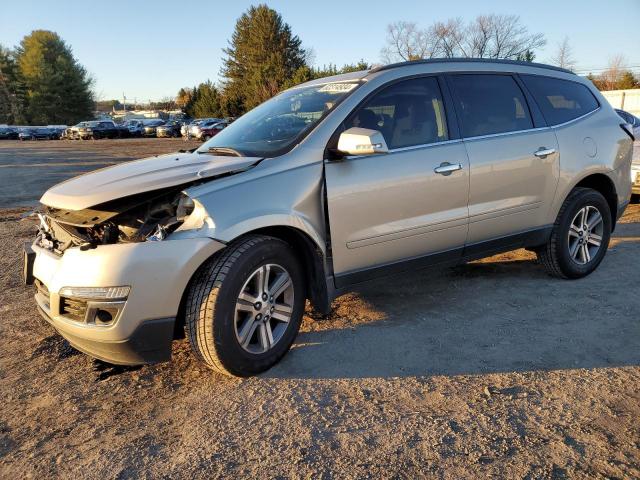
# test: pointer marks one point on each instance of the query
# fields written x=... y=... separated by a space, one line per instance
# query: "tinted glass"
x=560 y=100
x=407 y=113
x=278 y=124
x=490 y=104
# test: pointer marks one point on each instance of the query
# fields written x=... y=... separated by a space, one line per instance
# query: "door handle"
x=447 y=168
x=543 y=152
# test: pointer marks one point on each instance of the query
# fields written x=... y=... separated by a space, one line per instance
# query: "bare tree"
x=449 y=38
x=611 y=76
x=405 y=41
x=487 y=36
x=564 y=55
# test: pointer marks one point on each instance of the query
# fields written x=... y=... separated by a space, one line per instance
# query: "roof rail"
x=468 y=60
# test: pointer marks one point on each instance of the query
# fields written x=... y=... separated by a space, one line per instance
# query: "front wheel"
x=580 y=235
x=245 y=306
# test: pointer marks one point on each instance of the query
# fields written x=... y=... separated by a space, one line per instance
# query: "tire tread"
x=203 y=297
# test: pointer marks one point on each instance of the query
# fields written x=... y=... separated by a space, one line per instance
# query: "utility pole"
x=124 y=104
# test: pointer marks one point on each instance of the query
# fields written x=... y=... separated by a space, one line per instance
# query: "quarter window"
x=560 y=100
x=490 y=104
x=407 y=113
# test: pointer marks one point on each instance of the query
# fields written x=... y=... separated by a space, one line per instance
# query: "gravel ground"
x=29 y=168
x=490 y=369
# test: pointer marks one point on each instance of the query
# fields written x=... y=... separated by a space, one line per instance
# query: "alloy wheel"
x=585 y=235
x=264 y=308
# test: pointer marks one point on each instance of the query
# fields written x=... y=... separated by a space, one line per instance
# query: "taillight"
x=628 y=130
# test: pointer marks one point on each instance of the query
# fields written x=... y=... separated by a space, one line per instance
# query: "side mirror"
x=361 y=141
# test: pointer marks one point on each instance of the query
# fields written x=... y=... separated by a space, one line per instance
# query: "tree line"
x=42 y=82
x=263 y=58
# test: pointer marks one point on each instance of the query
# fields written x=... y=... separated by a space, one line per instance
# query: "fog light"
x=103 y=316
x=98 y=293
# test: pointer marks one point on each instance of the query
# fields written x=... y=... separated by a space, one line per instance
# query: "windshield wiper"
x=224 y=151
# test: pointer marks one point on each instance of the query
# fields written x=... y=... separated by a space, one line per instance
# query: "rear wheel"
x=580 y=235
x=245 y=306
x=206 y=138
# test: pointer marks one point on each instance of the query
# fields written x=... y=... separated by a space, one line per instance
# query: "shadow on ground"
x=498 y=315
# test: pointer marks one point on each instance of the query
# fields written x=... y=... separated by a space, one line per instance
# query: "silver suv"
x=328 y=184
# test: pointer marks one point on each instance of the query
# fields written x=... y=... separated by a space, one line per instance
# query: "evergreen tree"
x=58 y=88
x=207 y=101
x=526 y=56
x=11 y=90
x=627 y=81
x=262 y=57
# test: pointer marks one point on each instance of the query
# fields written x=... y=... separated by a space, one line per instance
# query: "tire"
x=206 y=138
x=215 y=323
x=556 y=255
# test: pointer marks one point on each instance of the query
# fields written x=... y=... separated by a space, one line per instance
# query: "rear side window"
x=560 y=100
x=407 y=113
x=490 y=104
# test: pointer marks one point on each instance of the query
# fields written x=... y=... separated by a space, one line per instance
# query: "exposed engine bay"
x=148 y=216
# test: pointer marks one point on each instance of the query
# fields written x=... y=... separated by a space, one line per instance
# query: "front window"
x=407 y=113
x=275 y=126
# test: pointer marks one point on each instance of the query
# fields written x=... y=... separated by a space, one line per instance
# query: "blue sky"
x=149 y=49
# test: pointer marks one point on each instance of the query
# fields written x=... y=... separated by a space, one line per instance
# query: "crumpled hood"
x=140 y=176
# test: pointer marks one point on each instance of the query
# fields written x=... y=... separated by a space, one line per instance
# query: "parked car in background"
x=206 y=132
x=135 y=127
x=8 y=133
x=38 y=133
x=150 y=127
x=406 y=165
x=169 y=129
x=184 y=128
x=58 y=131
x=631 y=120
x=196 y=128
x=72 y=133
x=99 y=129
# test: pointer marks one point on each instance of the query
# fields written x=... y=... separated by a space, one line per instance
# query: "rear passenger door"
x=514 y=161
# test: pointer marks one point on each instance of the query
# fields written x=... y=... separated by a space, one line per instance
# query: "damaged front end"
x=149 y=216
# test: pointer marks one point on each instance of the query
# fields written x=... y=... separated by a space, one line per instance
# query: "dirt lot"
x=27 y=169
x=490 y=369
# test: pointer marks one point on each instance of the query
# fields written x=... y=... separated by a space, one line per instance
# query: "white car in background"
x=135 y=127
x=635 y=164
x=195 y=129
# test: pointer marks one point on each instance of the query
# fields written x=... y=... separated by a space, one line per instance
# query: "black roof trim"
x=469 y=60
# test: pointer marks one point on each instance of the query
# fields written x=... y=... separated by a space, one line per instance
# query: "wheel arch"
x=311 y=258
x=601 y=183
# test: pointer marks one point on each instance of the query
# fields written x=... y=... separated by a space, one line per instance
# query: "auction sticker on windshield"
x=338 y=87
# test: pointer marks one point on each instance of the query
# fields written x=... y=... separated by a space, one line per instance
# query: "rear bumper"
x=149 y=343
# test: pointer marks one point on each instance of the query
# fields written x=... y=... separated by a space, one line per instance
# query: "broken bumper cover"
x=156 y=272
x=149 y=343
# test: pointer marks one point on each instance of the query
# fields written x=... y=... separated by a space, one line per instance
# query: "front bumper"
x=158 y=274
x=149 y=343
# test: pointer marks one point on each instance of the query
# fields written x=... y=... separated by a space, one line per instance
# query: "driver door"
x=394 y=211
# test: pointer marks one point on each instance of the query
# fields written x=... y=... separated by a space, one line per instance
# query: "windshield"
x=275 y=126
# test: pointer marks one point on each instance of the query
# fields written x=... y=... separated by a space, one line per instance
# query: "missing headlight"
x=152 y=216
